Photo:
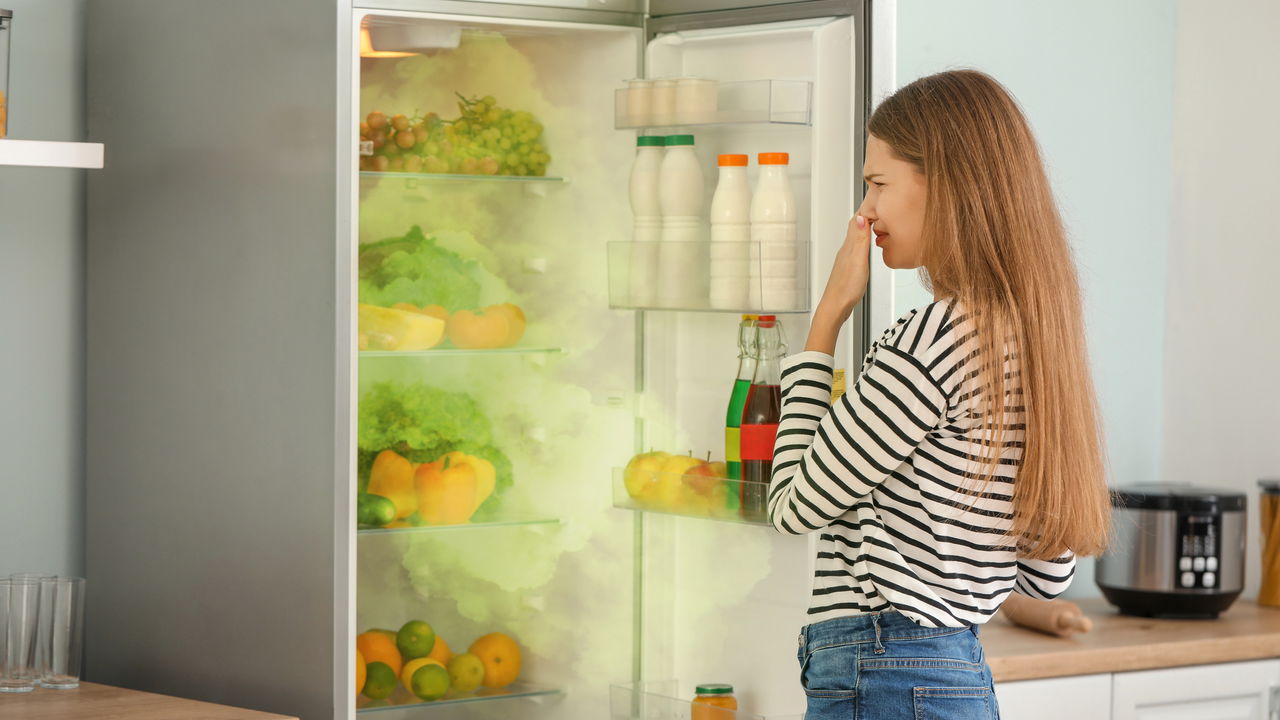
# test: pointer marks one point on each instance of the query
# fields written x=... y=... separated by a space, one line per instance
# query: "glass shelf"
x=670 y=700
x=458 y=352
x=450 y=178
x=705 y=497
x=707 y=102
x=733 y=277
x=402 y=699
x=511 y=522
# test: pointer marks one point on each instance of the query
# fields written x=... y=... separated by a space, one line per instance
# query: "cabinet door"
x=1229 y=691
x=1069 y=698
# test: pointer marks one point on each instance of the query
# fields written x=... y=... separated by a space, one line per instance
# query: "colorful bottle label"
x=756 y=441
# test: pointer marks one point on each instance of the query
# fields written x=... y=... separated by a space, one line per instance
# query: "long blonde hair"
x=994 y=242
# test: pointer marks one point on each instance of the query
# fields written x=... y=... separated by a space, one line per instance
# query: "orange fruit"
x=362 y=672
x=501 y=657
x=380 y=646
x=440 y=651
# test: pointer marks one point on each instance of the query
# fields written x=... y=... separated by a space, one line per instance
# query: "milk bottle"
x=731 y=235
x=772 y=283
x=646 y=209
x=682 y=256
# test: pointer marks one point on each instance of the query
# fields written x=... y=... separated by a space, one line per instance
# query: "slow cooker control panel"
x=1198 y=551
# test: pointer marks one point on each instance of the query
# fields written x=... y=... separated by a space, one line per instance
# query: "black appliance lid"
x=1175 y=496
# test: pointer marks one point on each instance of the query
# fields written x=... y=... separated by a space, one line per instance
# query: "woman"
x=966 y=462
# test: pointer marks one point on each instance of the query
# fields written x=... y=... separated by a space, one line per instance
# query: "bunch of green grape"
x=483 y=140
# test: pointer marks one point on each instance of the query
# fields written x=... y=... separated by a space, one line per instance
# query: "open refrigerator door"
x=507 y=373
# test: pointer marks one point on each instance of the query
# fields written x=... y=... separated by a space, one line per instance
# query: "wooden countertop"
x=103 y=702
x=1120 y=643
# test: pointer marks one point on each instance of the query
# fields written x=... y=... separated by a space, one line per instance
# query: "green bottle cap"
x=679 y=140
x=715 y=689
x=651 y=141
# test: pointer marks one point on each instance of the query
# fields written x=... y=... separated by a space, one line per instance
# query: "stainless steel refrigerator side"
x=218 y=395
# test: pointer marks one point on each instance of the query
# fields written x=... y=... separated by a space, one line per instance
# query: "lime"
x=415 y=639
x=380 y=681
x=411 y=667
x=466 y=671
x=430 y=682
x=375 y=510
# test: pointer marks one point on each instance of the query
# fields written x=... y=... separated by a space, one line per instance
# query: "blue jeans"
x=882 y=666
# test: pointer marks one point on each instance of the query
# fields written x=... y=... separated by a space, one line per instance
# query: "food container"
x=696 y=100
x=663 y=107
x=639 y=103
x=6 y=23
x=1269 y=522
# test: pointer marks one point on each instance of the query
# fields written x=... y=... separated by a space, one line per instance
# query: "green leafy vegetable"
x=422 y=423
x=415 y=269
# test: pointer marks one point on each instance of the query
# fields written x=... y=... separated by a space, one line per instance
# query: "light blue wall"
x=42 y=300
x=1095 y=79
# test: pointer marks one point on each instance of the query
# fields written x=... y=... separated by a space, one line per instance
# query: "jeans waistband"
x=873 y=628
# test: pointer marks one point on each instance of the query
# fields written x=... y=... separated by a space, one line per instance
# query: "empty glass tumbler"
x=65 y=634
x=19 y=616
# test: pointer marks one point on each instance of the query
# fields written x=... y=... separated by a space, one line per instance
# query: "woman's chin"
x=893 y=262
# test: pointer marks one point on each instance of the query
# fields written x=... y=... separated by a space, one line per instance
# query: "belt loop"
x=875 y=621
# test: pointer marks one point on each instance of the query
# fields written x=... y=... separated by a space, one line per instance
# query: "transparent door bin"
x=402 y=699
x=732 y=277
x=779 y=102
x=691 y=495
x=672 y=700
x=406 y=529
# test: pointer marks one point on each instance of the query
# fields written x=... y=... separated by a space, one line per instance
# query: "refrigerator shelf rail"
x=699 y=276
x=366 y=531
x=768 y=102
x=669 y=700
x=458 y=352
x=695 y=496
x=402 y=699
x=457 y=178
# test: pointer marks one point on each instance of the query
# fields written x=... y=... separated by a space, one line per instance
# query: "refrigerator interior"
x=547 y=560
x=724 y=602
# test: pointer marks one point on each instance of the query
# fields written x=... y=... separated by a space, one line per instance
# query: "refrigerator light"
x=367 y=51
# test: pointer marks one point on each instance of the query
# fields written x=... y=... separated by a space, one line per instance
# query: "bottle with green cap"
x=646 y=210
x=712 y=702
x=681 y=183
x=683 y=275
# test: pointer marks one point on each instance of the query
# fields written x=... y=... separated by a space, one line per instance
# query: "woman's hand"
x=845 y=287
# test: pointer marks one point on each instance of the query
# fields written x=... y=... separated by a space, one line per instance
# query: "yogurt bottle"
x=731 y=235
x=682 y=256
x=646 y=210
x=773 y=266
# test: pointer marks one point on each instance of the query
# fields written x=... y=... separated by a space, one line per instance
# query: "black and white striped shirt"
x=882 y=476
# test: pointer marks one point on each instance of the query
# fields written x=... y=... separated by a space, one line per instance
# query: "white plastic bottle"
x=646 y=209
x=774 y=250
x=682 y=257
x=731 y=235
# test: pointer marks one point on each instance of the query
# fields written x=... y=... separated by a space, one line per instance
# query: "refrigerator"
x=286 y=314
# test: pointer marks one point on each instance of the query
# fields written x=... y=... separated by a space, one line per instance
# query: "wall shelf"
x=41 y=153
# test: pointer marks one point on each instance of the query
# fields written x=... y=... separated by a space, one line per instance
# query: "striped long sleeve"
x=885 y=475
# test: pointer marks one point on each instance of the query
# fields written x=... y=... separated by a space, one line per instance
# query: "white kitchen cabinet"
x=1067 y=698
x=1229 y=691
x=1224 y=691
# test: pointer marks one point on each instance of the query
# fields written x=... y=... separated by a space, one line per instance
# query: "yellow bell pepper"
x=392 y=477
x=451 y=489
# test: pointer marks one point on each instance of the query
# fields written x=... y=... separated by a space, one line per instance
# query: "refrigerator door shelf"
x=489 y=525
x=402 y=699
x=669 y=699
x=457 y=352
x=696 y=496
x=773 y=102
x=700 y=276
x=369 y=175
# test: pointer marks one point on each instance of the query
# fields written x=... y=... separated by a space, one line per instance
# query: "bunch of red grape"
x=483 y=140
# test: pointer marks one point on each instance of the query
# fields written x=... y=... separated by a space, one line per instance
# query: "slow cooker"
x=1176 y=551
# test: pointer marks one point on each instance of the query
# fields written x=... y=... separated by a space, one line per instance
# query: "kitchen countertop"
x=104 y=702
x=1120 y=643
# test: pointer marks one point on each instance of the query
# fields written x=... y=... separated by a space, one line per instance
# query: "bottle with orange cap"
x=730 y=234
x=774 y=250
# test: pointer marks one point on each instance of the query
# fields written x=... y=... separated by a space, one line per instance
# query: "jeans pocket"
x=954 y=703
x=830 y=672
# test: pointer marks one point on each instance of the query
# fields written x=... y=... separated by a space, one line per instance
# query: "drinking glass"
x=42 y=619
x=66 y=634
x=21 y=609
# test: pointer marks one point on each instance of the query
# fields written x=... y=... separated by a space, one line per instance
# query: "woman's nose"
x=867 y=209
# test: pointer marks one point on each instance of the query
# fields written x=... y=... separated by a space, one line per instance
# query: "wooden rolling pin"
x=1055 y=617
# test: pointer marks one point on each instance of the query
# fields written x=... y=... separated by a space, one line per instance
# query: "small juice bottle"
x=715 y=701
